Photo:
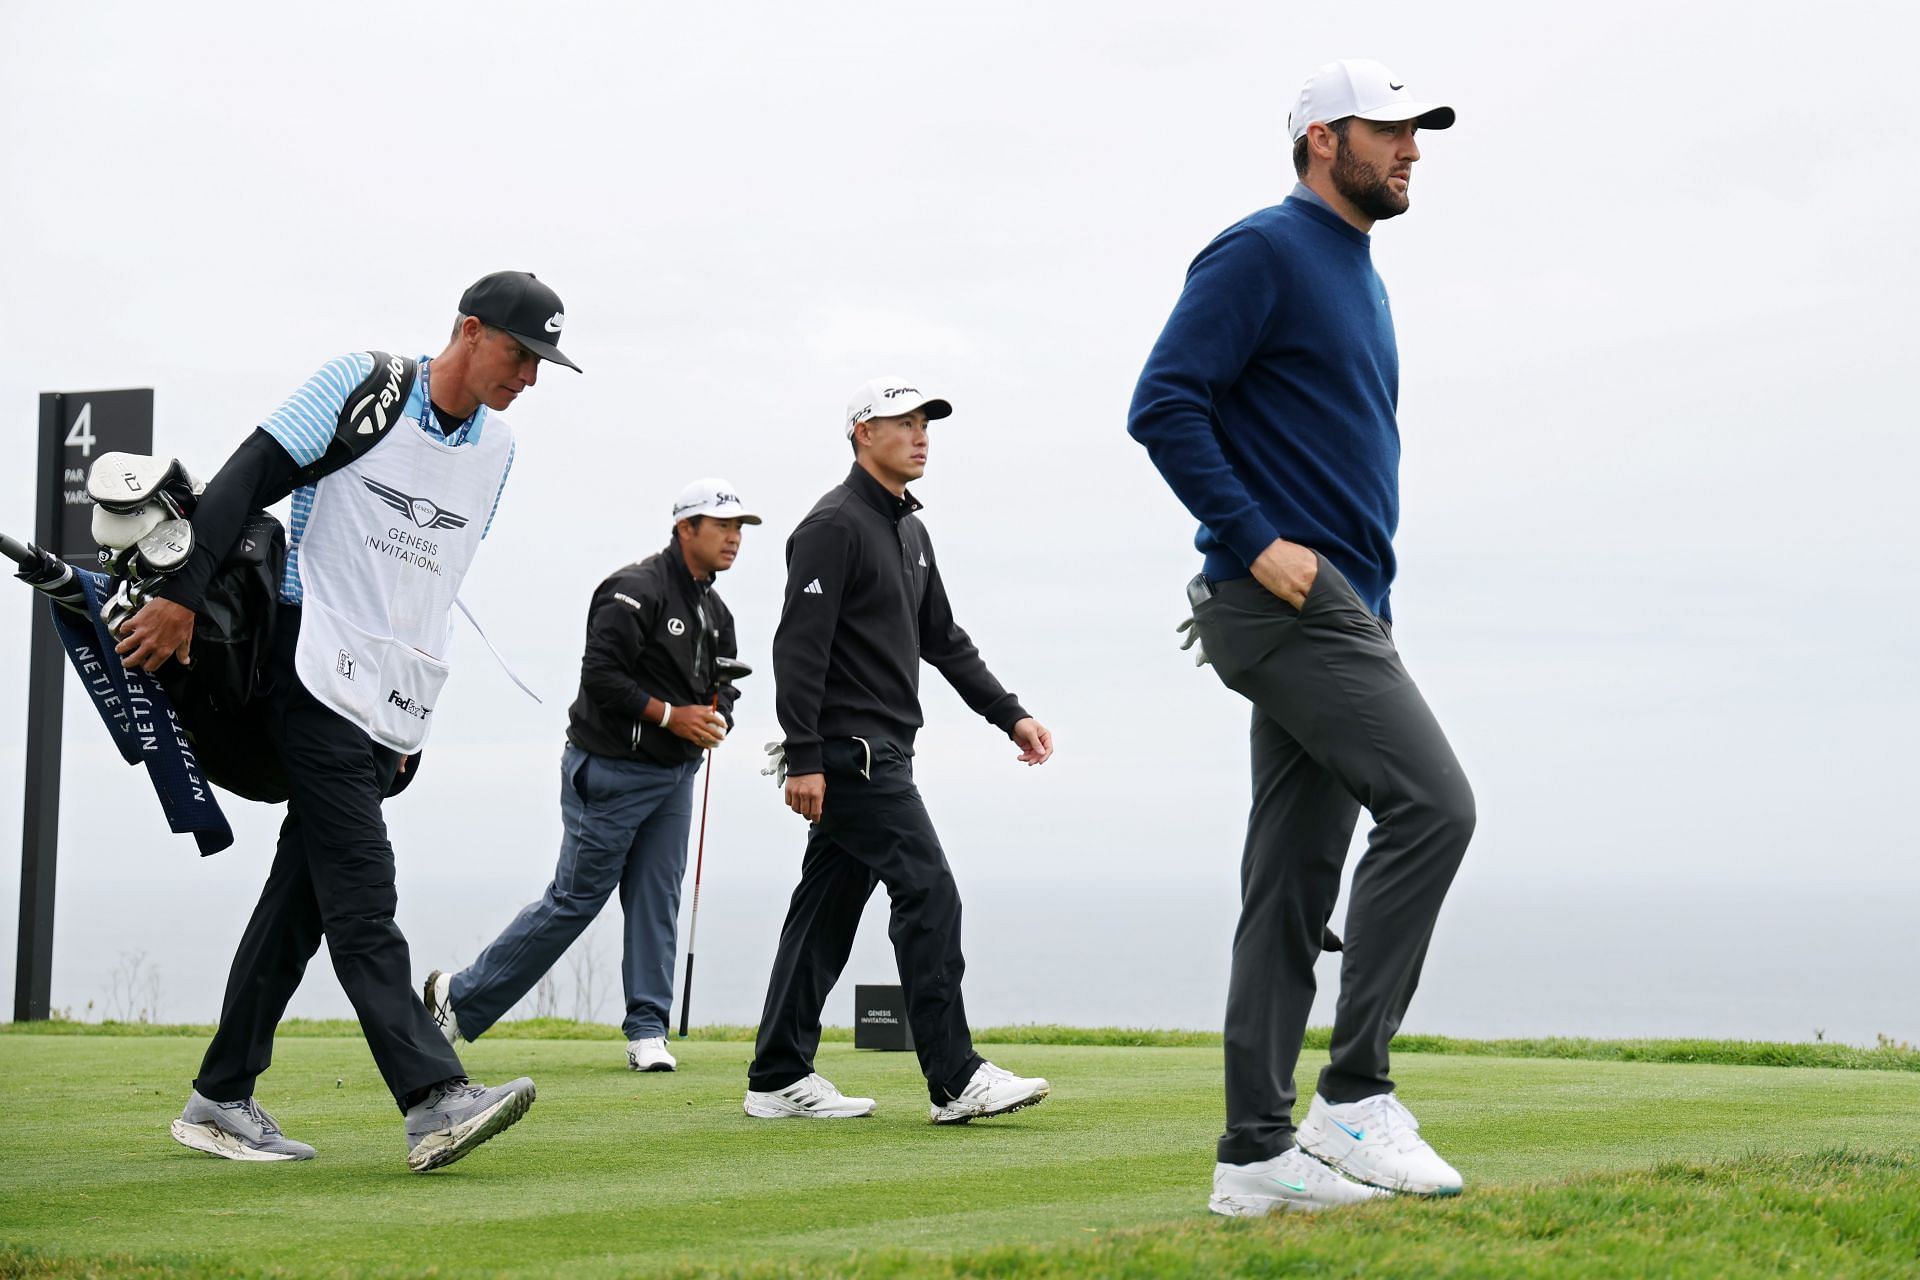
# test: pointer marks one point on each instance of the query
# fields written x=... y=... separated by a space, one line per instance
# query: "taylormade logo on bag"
x=371 y=414
x=417 y=710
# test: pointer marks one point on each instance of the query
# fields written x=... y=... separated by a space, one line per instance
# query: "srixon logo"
x=374 y=412
x=418 y=710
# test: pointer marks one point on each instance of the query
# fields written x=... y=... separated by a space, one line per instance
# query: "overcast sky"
x=1652 y=299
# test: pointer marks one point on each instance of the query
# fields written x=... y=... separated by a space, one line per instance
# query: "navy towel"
x=142 y=720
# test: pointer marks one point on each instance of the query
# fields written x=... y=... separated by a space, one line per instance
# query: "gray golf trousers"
x=1337 y=724
x=624 y=826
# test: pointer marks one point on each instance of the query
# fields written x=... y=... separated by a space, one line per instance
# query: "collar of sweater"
x=877 y=495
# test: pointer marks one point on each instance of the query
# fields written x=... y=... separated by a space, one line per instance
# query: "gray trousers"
x=1337 y=724
x=625 y=826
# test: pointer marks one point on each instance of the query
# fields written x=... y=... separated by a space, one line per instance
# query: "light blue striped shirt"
x=304 y=427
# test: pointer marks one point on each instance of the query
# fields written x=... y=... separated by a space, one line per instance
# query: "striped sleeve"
x=504 y=473
x=303 y=426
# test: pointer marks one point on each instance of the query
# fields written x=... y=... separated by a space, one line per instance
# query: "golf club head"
x=167 y=547
x=118 y=611
x=118 y=530
x=727 y=670
x=125 y=482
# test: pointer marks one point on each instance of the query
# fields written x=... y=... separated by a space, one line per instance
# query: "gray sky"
x=1651 y=300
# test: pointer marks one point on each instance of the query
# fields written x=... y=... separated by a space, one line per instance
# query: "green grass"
x=1888 y=1055
x=1575 y=1168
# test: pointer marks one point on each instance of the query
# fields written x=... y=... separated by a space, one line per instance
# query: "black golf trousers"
x=332 y=877
x=873 y=829
x=1337 y=724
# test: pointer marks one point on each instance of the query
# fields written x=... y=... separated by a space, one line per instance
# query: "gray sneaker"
x=235 y=1131
x=458 y=1116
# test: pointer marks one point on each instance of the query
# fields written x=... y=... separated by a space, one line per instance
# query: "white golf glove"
x=1193 y=642
x=776 y=763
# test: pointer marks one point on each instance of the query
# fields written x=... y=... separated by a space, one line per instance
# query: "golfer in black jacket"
x=650 y=707
x=864 y=604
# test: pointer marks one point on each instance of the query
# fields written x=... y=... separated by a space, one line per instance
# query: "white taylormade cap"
x=890 y=398
x=714 y=497
x=1363 y=88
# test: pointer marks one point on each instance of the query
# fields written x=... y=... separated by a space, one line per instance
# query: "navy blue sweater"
x=1268 y=402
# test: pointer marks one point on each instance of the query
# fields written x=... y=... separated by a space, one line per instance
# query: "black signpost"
x=75 y=428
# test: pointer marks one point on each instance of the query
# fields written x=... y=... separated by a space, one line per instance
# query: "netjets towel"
x=144 y=725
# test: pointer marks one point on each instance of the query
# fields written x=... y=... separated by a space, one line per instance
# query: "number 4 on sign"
x=80 y=434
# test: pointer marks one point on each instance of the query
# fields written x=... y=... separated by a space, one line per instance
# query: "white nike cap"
x=1363 y=88
x=890 y=398
x=712 y=496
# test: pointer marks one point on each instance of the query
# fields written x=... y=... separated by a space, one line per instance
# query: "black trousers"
x=1337 y=724
x=873 y=829
x=332 y=877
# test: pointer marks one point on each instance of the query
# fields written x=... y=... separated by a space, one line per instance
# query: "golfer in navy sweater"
x=1268 y=405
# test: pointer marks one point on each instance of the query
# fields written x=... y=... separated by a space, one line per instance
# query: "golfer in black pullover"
x=864 y=604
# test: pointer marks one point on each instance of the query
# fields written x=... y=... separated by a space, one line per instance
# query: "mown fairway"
x=615 y=1173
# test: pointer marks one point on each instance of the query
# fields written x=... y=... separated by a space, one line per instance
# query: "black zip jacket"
x=864 y=605
x=652 y=632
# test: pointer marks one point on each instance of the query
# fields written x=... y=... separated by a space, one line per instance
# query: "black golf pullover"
x=864 y=605
x=652 y=632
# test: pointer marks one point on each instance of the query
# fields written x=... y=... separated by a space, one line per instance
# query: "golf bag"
x=140 y=519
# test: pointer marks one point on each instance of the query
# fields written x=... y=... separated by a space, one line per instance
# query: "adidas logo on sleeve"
x=812 y=589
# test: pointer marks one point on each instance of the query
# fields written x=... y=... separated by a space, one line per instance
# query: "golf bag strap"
x=371 y=408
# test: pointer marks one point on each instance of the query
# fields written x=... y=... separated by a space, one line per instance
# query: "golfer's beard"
x=1366 y=188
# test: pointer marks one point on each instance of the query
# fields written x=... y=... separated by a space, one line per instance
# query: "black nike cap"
x=521 y=305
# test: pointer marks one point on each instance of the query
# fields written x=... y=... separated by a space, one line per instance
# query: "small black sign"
x=880 y=1019
x=75 y=428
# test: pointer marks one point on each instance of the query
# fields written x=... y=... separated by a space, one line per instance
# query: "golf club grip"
x=19 y=554
x=686 y=997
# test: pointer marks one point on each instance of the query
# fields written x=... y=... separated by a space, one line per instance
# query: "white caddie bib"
x=389 y=539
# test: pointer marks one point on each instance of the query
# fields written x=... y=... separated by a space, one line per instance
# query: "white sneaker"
x=1377 y=1141
x=650 y=1054
x=437 y=994
x=813 y=1097
x=991 y=1092
x=1291 y=1181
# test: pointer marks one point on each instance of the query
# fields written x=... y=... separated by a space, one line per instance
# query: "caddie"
x=395 y=467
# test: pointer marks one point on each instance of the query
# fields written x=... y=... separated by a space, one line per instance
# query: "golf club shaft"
x=699 y=864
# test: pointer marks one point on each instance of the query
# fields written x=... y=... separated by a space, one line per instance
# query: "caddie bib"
x=389 y=539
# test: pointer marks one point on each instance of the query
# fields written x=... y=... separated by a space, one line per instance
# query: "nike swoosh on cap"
x=559 y=318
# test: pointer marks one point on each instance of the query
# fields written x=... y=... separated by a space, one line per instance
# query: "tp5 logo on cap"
x=890 y=397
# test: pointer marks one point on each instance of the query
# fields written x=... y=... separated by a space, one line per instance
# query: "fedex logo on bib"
x=418 y=710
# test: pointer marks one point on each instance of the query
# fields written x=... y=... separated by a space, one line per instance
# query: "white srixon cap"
x=712 y=496
x=891 y=397
x=1363 y=88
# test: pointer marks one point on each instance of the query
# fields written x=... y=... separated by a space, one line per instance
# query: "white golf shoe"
x=1292 y=1181
x=992 y=1092
x=649 y=1053
x=437 y=994
x=1377 y=1141
x=812 y=1097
